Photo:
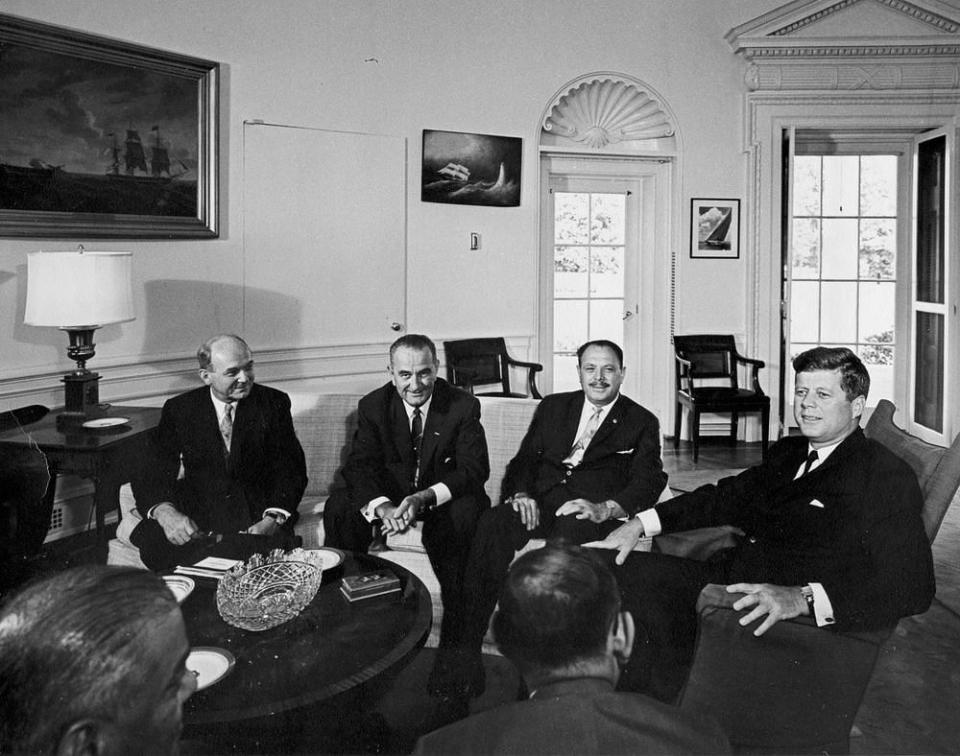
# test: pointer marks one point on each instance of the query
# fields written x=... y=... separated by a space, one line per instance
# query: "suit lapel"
x=439 y=407
x=609 y=424
x=568 y=434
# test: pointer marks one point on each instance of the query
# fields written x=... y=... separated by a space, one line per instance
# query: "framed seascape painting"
x=101 y=138
x=471 y=169
x=715 y=228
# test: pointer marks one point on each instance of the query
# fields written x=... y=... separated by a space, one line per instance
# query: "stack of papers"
x=211 y=567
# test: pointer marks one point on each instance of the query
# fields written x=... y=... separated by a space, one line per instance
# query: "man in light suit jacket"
x=559 y=621
x=243 y=468
x=832 y=529
x=589 y=457
x=419 y=453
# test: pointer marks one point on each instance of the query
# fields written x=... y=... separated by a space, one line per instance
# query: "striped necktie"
x=575 y=457
x=226 y=427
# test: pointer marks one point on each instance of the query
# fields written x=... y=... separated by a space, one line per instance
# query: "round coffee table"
x=333 y=646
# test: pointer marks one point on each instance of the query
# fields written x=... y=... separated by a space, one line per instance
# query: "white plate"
x=329 y=558
x=106 y=422
x=210 y=664
x=180 y=585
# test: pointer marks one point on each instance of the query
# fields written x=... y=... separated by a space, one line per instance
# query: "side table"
x=106 y=456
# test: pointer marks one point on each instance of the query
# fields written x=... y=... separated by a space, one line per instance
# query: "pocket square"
x=817 y=503
x=626 y=451
x=448 y=460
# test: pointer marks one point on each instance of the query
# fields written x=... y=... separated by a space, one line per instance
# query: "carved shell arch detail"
x=604 y=111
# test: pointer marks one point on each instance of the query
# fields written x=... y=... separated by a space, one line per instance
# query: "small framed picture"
x=715 y=228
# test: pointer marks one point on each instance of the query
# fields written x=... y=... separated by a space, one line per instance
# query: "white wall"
x=390 y=67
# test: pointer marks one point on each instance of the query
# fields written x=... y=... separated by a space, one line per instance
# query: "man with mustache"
x=589 y=458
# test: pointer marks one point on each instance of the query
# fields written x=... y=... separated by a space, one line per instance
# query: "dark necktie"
x=416 y=439
x=811 y=458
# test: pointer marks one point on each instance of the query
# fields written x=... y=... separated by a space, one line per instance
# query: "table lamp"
x=79 y=292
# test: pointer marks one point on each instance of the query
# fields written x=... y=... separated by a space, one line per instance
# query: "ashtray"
x=267 y=591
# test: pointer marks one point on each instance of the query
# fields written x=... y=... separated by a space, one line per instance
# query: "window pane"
x=570 y=217
x=806 y=185
x=878 y=185
x=805 y=311
x=606 y=320
x=570 y=271
x=839 y=248
x=569 y=324
x=565 y=373
x=806 y=248
x=606 y=272
x=928 y=395
x=607 y=222
x=931 y=191
x=838 y=313
x=840 y=185
x=878 y=248
x=877 y=312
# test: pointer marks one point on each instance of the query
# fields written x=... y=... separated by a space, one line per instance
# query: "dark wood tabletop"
x=330 y=648
x=49 y=436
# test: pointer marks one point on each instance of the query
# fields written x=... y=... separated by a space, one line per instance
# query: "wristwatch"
x=277 y=517
x=807 y=592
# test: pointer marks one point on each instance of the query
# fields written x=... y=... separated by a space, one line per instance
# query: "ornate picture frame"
x=715 y=228
x=101 y=138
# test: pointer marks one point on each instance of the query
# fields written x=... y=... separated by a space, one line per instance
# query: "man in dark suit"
x=419 y=453
x=832 y=530
x=559 y=621
x=243 y=468
x=588 y=458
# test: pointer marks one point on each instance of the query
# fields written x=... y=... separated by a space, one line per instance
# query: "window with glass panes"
x=844 y=253
x=588 y=275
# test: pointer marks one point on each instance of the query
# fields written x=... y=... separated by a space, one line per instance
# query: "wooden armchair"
x=797 y=688
x=473 y=362
x=707 y=380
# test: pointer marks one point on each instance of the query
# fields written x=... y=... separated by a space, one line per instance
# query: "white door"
x=599 y=235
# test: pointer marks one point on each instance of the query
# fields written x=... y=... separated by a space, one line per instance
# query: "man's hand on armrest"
x=623 y=539
x=177 y=527
x=772 y=602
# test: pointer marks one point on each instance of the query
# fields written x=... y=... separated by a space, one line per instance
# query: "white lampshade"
x=78 y=288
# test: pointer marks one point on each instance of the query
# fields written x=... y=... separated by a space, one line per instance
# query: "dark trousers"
x=660 y=592
x=500 y=535
x=157 y=553
x=448 y=531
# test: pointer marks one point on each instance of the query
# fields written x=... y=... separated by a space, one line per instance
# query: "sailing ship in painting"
x=715 y=227
x=135 y=159
x=452 y=183
x=128 y=186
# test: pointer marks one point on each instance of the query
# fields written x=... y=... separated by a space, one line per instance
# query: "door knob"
x=395 y=326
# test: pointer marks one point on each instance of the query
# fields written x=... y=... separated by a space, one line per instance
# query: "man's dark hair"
x=600 y=343
x=416 y=341
x=854 y=378
x=67 y=644
x=557 y=608
x=205 y=350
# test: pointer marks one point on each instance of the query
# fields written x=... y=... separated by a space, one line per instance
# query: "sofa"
x=325 y=424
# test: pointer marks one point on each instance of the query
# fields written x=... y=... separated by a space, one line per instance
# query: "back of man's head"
x=72 y=651
x=557 y=610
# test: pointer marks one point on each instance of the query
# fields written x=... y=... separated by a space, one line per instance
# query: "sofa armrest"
x=796 y=688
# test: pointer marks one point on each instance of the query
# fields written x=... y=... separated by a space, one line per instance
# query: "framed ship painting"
x=101 y=138
x=715 y=228
x=471 y=169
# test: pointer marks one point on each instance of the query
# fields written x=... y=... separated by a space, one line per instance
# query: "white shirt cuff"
x=442 y=493
x=276 y=510
x=369 y=512
x=650 y=521
x=822 y=608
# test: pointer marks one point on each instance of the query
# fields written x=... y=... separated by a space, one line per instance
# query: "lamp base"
x=82 y=393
